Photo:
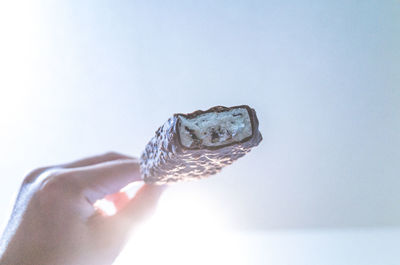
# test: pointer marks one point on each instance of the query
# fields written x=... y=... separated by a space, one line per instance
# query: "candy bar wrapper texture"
x=166 y=160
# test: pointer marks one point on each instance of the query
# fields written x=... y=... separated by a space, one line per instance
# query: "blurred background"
x=78 y=78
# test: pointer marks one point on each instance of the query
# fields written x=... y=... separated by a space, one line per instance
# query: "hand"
x=54 y=222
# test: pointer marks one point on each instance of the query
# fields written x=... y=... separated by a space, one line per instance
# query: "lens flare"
x=186 y=229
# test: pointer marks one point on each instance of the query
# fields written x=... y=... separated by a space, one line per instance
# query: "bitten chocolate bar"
x=199 y=144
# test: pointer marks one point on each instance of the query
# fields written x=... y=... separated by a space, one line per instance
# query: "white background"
x=79 y=78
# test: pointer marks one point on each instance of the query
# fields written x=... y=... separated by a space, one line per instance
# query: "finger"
x=110 y=156
x=102 y=179
x=140 y=207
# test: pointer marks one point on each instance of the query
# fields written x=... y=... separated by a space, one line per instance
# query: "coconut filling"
x=215 y=129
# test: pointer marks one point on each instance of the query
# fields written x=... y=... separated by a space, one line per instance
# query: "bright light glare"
x=186 y=229
x=106 y=206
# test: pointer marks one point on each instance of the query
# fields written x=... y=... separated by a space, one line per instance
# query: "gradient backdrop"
x=79 y=78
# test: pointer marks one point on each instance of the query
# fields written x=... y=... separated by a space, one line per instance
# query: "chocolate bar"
x=199 y=144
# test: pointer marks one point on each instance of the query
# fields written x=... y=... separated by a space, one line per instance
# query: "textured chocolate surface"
x=165 y=159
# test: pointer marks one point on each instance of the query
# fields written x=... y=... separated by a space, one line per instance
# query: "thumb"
x=139 y=208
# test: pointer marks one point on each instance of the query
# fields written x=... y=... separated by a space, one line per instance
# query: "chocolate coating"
x=165 y=159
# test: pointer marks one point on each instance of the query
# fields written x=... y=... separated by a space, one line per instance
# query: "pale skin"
x=54 y=220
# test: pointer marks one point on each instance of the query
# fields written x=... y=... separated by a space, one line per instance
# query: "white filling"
x=215 y=128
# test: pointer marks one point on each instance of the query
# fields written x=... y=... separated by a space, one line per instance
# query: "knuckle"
x=58 y=182
x=31 y=177
x=112 y=154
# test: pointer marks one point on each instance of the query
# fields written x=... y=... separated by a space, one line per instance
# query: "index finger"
x=88 y=161
x=102 y=179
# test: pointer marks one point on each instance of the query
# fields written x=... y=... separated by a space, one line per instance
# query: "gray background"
x=79 y=78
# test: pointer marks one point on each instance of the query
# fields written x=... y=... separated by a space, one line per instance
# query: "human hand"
x=54 y=222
